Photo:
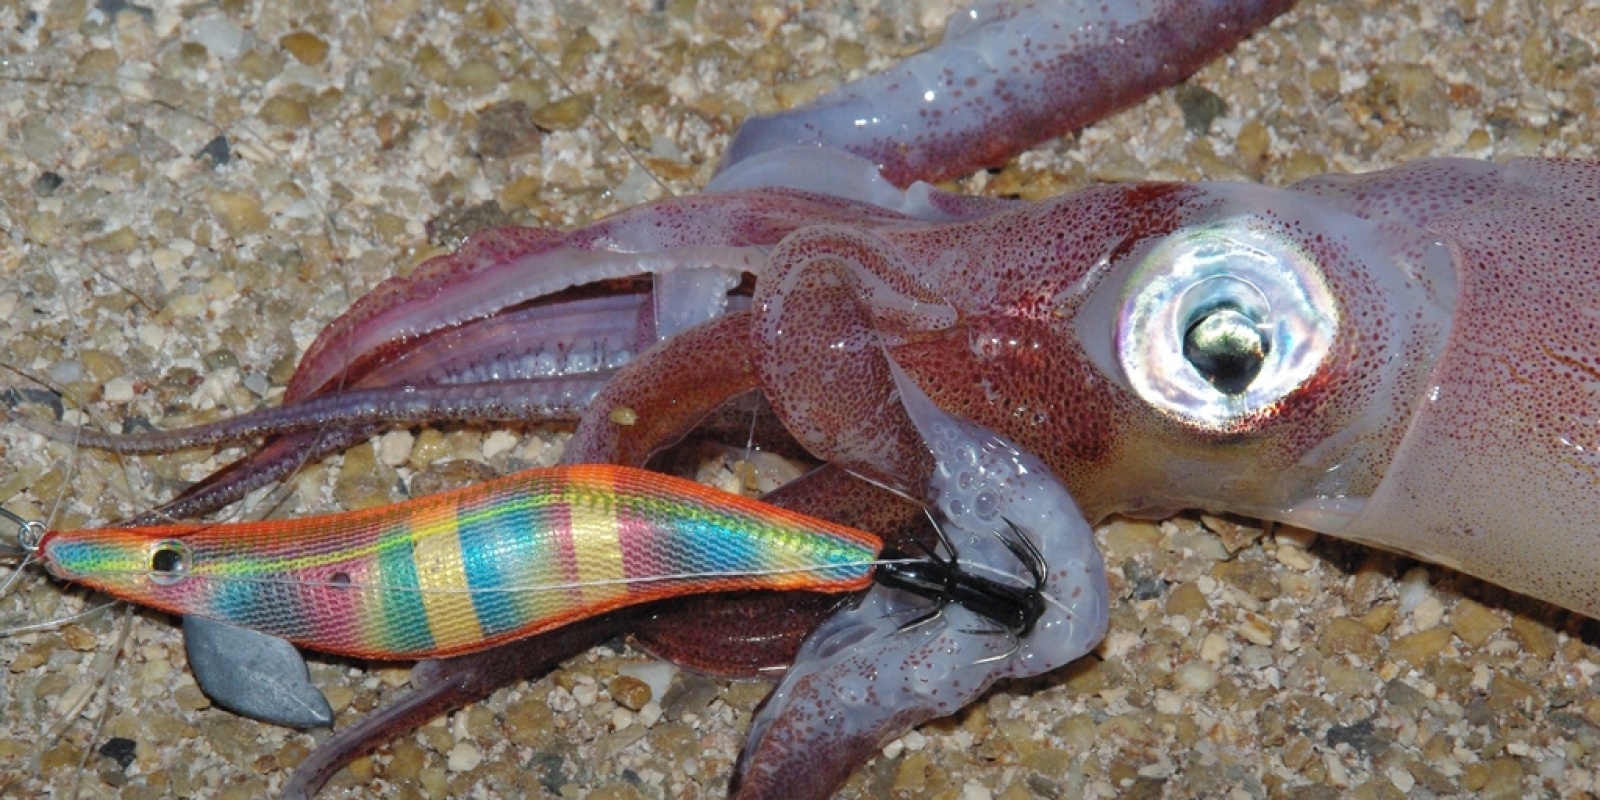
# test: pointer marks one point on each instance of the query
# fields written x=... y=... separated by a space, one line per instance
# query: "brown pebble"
x=307 y=48
x=1126 y=538
x=913 y=774
x=1345 y=635
x=1254 y=578
x=65 y=755
x=629 y=692
x=29 y=659
x=1187 y=601
x=1504 y=781
x=1534 y=636
x=1379 y=619
x=617 y=791
x=565 y=114
x=119 y=241
x=1235 y=536
x=1474 y=623
x=480 y=723
x=285 y=112
x=339 y=696
x=249 y=789
x=1253 y=142
x=1419 y=648
x=507 y=129
x=529 y=721
x=239 y=212
x=475 y=77
x=166 y=729
x=362 y=769
x=365 y=482
x=746 y=695
x=190 y=698
x=406 y=761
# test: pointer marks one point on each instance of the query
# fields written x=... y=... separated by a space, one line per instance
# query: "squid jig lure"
x=468 y=569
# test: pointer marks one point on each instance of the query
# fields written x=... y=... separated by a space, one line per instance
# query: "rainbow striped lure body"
x=468 y=569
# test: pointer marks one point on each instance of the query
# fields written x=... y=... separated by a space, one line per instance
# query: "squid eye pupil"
x=1226 y=347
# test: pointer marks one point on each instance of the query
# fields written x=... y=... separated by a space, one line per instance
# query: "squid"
x=1295 y=355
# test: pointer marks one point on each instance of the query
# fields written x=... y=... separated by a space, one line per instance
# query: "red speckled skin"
x=1497 y=475
x=997 y=339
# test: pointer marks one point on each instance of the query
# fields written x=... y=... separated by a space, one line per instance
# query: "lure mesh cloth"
x=461 y=571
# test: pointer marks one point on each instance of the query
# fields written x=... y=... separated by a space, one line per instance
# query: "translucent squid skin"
x=462 y=571
x=1005 y=72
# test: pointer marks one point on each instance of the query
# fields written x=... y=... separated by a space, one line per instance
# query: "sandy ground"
x=145 y=283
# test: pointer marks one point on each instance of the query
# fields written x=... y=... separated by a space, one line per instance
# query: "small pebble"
x=1428 y=613
x=307 y=48
x=464 y=757
x=1413 y=589
x=221 y=36
x=629 y=692
x=285 y=112
x=565 y=114
x=238 y=212
x=1421 y=647
x=190 y=698
x=1474 y=623
x=498 y=442
x=120 y=750
x=1256 y=630
x=394 y=447
x=1197 y=677
x=80 y=638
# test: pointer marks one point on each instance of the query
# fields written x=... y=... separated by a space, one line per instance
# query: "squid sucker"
x=464 y=570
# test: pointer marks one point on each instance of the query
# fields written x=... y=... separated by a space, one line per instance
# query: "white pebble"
x=1413 y=589
x=394 y=447
x=621 y=718
x=497 y=443
x=220 y=35
x=464 y=758
x=585 y=694
x=1168 y=702
x=1197 y=677
x=976 y=791
x=118 y=390
x=650 y=714
x=1401 y=779
x=1428 y=613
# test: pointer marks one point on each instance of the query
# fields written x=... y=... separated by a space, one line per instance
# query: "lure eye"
x=1221 y=321
x=169 y=562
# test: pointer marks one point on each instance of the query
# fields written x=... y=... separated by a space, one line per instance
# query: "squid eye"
x=1226 y=346
x=169 y=562
x=1221 y=321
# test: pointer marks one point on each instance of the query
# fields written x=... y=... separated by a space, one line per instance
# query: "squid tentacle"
x=965 y=105
x=277 y=459
x=540 y=400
